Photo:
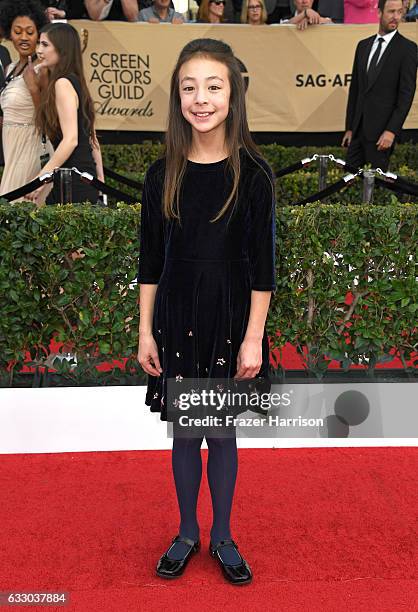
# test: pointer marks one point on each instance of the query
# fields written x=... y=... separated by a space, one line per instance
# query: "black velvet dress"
x=205 y=271
x=81 y=158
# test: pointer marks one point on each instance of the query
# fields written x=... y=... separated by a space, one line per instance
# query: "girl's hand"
x=249 y=359
x=148 y=355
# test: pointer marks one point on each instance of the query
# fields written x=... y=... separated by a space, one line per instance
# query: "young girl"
x=206 y=274
x=66 y=113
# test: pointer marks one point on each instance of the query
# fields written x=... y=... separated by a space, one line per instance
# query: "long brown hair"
x=179 y=130
x=66 y=41
x=203 y=12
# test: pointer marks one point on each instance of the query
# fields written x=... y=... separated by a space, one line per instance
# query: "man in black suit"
x=382 y=89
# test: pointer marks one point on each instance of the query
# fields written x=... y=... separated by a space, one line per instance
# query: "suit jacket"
x=384 y=103
x=333 y=9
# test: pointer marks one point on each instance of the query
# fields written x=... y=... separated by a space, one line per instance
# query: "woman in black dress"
x=66 y=112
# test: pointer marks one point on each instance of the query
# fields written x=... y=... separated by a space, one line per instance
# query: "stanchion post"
x=368 y=186
x=66 y=185
x=323 y=171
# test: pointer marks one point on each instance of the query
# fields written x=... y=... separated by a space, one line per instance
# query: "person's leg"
x=187 y=471
x=355 y=154
x=377 y=159
x=222 y=471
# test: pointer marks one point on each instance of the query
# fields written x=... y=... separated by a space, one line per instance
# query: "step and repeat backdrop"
x=296 y=81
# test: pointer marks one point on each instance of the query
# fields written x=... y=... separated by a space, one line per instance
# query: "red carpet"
x=323 y=529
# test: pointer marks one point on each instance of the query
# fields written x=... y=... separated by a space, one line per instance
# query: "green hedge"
x=133 y=161
x=72 y=270
x=68 y=269
x=326 y=251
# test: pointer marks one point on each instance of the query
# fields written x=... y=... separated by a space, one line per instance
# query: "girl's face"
x=47 y=52
x=216 y=8
x=204 y=93
x=24 y=36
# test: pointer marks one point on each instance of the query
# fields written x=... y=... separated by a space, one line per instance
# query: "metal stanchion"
x=66 y=185
x=323 y=171
x=368 y=186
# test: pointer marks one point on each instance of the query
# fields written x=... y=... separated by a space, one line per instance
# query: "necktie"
x=375 y=58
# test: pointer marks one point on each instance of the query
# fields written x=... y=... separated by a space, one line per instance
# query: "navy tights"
x=222 y=470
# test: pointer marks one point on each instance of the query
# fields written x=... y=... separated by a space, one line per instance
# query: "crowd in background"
x=48 y=111
x=302 y=13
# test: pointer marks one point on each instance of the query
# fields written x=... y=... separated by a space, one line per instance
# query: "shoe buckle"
x=223 y=543
x=188 y=541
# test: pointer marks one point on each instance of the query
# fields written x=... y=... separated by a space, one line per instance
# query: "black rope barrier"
x=394 y=182
x=407 y=186
x=122 y=179
x=84 y=176
x=289 y=170
x=399 y=186
x=297 y=166
x=330 y=190
x=116 y=193
x=29 y=187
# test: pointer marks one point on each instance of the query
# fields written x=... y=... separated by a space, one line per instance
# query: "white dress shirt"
x=387 y=38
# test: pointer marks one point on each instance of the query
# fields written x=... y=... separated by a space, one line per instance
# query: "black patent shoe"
x=236 y=574
x=172 y=568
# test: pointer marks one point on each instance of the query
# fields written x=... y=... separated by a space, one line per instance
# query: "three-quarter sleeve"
x=151 y=241
x=262 y=235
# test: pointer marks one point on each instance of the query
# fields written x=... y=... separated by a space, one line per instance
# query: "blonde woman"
x=254 y=12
